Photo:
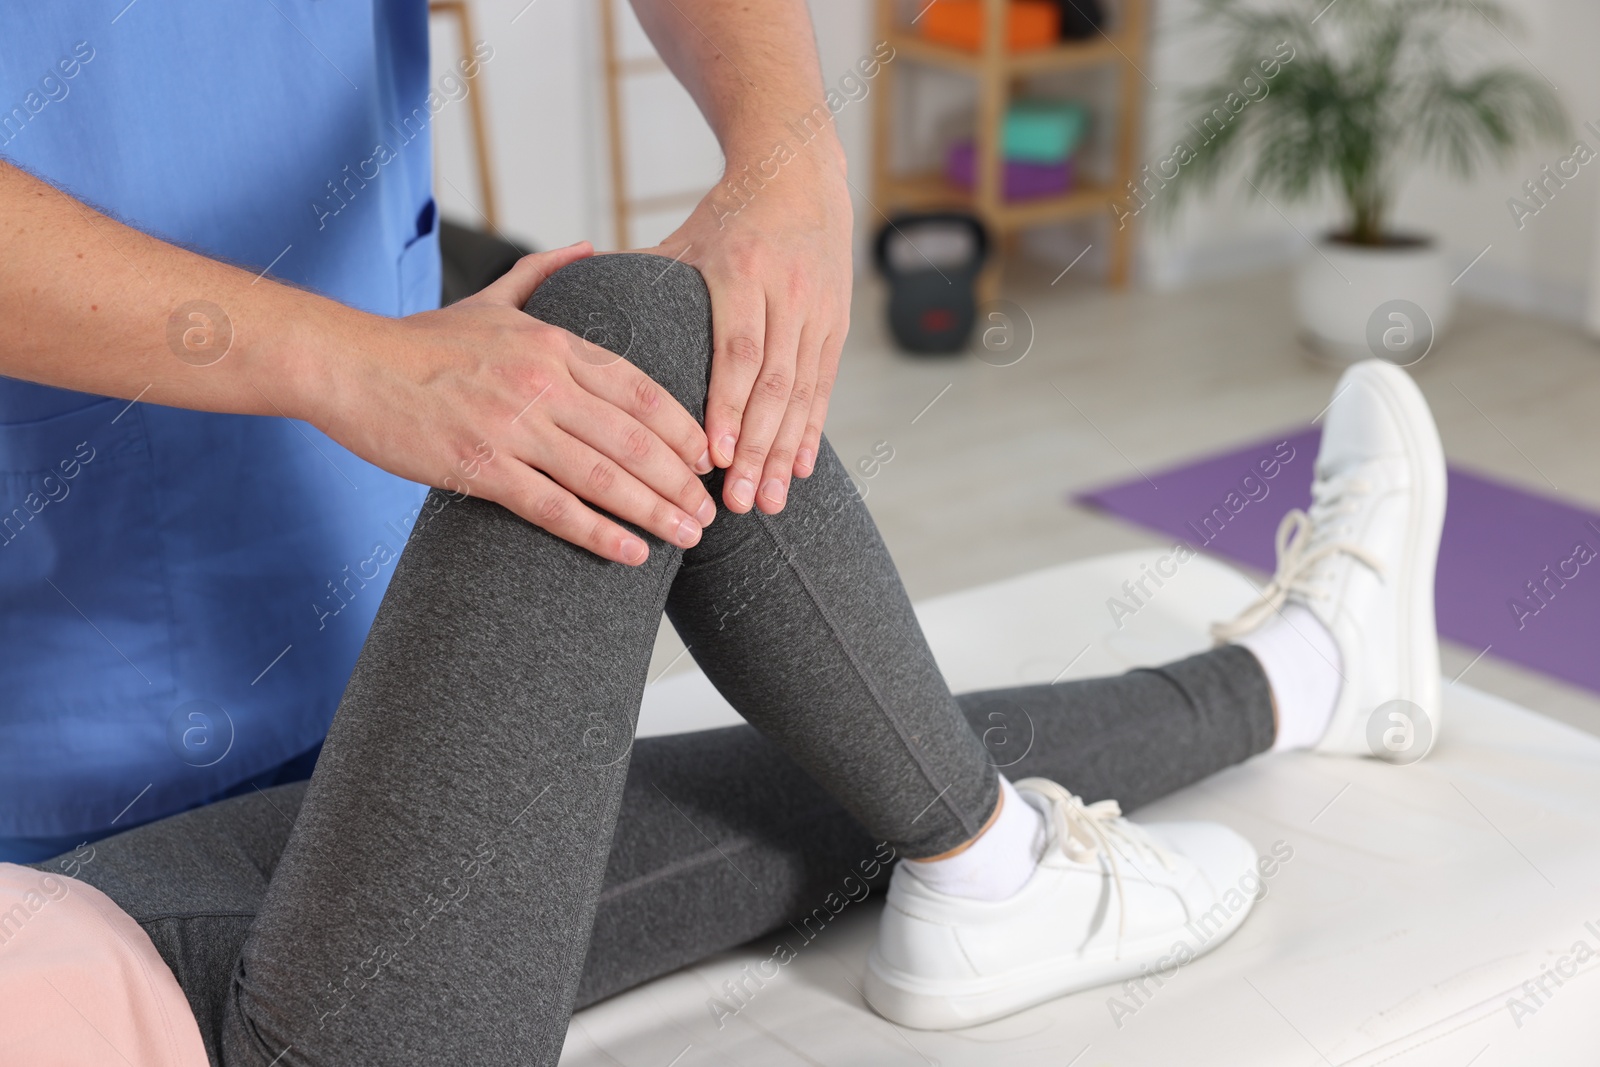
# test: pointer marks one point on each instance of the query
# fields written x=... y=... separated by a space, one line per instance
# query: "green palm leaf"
x=1372 y=85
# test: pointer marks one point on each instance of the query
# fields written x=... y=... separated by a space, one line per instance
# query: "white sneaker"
x=1109 y=899
x=1363 y=562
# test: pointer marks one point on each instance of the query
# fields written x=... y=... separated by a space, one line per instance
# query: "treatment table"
x=1442 y=913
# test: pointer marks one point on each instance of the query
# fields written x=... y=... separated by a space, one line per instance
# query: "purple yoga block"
x=1022 y=181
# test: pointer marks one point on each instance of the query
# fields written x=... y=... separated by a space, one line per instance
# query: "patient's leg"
x=720 y=838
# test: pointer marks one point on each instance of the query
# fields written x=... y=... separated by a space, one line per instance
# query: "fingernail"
x=688 y=533
x=805 y=461
x=742 y=492
x=633 y=550
x=703 y=464
x=774 y=490
x=707 y=512
x=725 y=447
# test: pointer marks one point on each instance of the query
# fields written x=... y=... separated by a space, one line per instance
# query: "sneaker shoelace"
x=1085 y=831
x=1305 y=541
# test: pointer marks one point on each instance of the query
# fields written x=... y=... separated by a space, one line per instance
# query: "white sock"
x=999 y=862
x=1301 y=661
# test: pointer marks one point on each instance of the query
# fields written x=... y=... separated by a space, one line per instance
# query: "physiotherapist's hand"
x=480 y=398
x=776 y=256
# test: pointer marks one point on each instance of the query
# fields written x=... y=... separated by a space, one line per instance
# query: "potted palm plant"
x=1317 y=97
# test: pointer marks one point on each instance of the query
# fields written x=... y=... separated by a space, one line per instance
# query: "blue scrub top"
x=183 y=594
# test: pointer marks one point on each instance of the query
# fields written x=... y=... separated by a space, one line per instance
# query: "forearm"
x=93 y=305
x=476 y=397
x=753 y=71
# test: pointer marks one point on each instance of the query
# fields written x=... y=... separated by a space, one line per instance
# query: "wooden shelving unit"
x=625 y=207
x=997 y=74
x=487 y=206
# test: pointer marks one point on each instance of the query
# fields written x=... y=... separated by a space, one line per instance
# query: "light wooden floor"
x=1117 y=384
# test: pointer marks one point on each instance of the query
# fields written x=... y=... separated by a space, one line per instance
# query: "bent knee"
x=652 y=311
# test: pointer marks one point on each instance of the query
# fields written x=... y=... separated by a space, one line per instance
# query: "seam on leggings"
x=968 y=825
x=739 y=844
x=694 y=860
x=698 y=859
x=1176 y=683
x=179 y=916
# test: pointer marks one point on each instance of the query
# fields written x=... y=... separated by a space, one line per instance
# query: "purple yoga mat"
x=1519 y=573
x=1021 y=181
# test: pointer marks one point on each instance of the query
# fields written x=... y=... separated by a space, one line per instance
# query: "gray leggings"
x=455 y=878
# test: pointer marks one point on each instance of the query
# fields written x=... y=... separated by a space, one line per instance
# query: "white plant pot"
x=1356 y=302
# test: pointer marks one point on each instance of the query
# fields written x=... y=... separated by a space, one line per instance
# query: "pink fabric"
x=80 y=983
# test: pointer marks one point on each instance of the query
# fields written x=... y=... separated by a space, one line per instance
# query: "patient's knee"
x=652 y=311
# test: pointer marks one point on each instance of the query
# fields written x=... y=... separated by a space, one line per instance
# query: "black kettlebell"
x=1080 y=19
x=931 y=261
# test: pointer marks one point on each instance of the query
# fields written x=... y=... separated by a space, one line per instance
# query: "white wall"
x=546 y=105
x=544 y=96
